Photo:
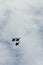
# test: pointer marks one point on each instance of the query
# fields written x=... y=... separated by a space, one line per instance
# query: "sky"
x=24 y=19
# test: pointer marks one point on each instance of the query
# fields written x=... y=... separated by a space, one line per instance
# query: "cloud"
x=21 y=19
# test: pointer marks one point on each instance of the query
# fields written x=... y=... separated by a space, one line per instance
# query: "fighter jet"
x=17 y=39
x=17 y=43
x=13 y=39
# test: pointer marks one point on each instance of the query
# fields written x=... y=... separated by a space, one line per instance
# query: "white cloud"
x=21 y=18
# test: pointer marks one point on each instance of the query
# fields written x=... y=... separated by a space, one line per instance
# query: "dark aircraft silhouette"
x=17 y=41
x=13 y=39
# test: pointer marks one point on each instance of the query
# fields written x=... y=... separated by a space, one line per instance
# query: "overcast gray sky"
x=24 y=19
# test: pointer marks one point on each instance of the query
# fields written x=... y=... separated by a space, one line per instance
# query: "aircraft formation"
x=17 y=41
